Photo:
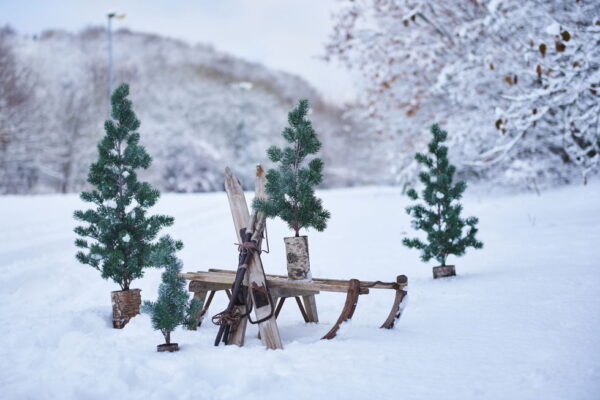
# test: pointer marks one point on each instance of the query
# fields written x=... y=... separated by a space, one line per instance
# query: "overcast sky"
x=282 y=34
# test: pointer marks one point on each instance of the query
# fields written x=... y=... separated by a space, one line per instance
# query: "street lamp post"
x=240 y=131
x=110 y=17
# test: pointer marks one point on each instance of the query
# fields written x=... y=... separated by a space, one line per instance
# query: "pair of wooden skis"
x=250 y=284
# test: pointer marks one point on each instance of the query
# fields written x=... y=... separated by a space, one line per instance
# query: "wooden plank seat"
x=203 y=283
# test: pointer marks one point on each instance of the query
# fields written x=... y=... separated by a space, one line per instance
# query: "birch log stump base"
x=298 y=261
x=298 y=267
x=171 y=347
x=125 y=305
x=443 y=271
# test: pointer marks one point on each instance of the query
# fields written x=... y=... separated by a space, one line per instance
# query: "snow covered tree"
x=399 y=47
x=172 y=307
x=517 y=80
x=440 y=217
x=19 y=147
x=558 y=105
x=290 y=186
x=533 y=72
x=118 y=238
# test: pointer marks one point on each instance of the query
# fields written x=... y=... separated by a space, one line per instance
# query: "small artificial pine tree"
x=290 y=187
x=440 y=216
x=172 y=308
x=120 y=231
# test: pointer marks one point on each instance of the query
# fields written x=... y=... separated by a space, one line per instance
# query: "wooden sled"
x=277 y=287
x=209 y=282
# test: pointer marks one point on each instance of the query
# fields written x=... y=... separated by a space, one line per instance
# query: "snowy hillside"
x=520 y=321
x=200 y=109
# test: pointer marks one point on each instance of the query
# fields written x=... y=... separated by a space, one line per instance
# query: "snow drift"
x=519 y=322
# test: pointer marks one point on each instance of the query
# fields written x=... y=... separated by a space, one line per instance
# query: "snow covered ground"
x=520 y=321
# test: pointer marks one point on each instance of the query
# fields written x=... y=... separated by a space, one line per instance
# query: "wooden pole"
x=241 y=216
x=269 y=333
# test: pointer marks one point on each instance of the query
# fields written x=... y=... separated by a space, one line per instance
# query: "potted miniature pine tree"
x=290 y=188
x=172 y=307
x=118 y=236
x=440 y=216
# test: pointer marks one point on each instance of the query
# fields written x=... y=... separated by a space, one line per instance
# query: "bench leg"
x=310 y=305
x=301 y=307
x=279 y=306
x=201 y=295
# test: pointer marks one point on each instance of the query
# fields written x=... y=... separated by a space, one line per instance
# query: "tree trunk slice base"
x=298 y=262
x=171 y=347
x=444 y=271
x=125 y=305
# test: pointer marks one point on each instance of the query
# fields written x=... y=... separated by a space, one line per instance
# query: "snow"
x=553 y=29
x=519 y=322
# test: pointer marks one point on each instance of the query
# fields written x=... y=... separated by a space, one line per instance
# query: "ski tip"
x=259 y=170
x=228 y=171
